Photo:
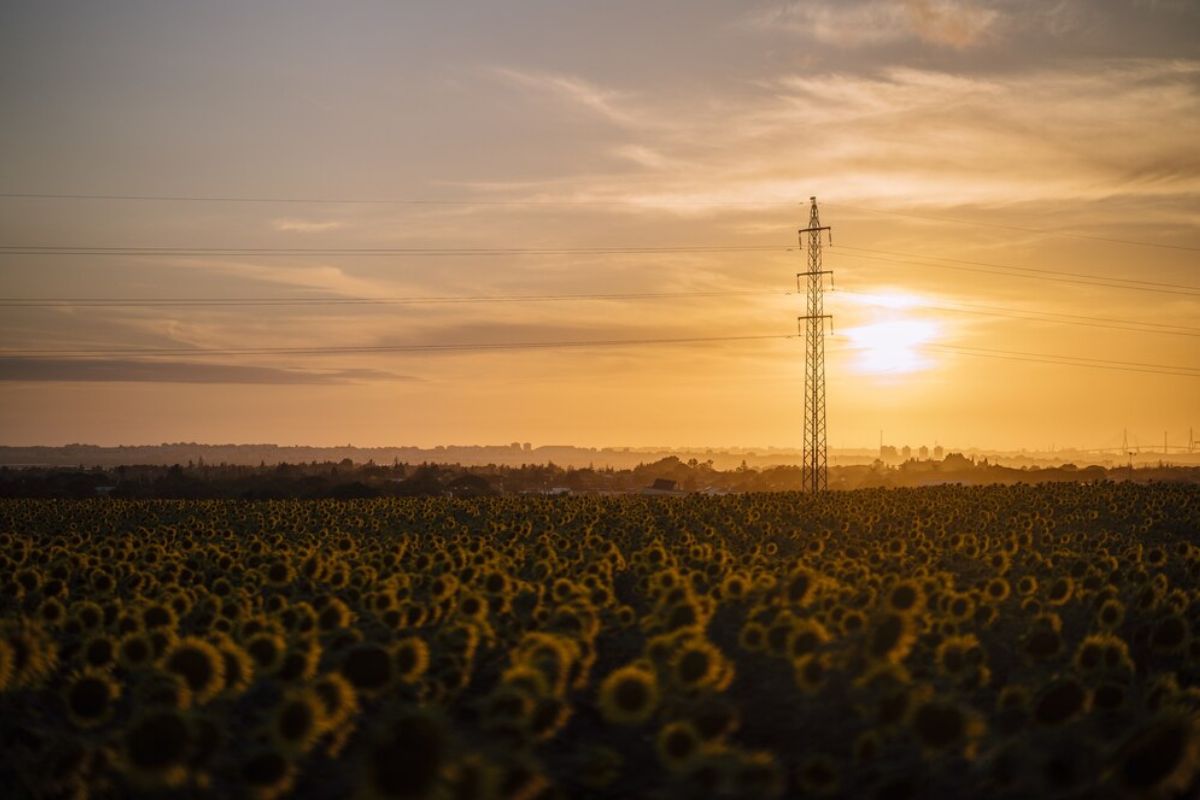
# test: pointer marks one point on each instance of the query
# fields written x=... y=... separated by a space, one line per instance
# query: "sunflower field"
x=1018 y=642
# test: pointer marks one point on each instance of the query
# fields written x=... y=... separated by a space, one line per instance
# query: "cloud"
x=1083 y=131
x=59 y=370
x=306 y=226
x=951 y=23
x=605 y=103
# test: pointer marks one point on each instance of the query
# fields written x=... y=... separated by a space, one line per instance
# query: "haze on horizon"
x=974 y=159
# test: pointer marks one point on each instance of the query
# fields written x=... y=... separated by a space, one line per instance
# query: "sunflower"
x=1161 y=759
x=629 y=695
x=135 y=651
x=677 y=744
x=805 y=638
x=300 y=661
x=997 y=590
x=159 y=616
x=698 y=663
x=891 y=638
x=1060 y=590
x=411 y=655
x=267 y=649
x=550 y=714
x=163 y=689
x=812 y=672
x=100 y=651
x=368 y=667
x=339 y=702
x=753 y=636
x=238 y=665
x=334 y=614
x=298 y=721
x=32 y=655
x=799 y=586
x=89 y=697
x=940 y=725
x=905 y=597
x=198 y=663
x=267 y=773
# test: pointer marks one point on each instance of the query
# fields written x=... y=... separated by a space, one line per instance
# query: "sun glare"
x=891 y=347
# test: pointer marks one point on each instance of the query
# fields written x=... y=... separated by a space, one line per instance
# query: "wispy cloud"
x=1082 y=131
x=609 y=105
x=306 y=225
x=848 y=23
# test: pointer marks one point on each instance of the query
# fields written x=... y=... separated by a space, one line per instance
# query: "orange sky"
x=976 y=161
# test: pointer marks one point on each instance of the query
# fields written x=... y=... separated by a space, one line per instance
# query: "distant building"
x=938 y=451
x=923 y=452
x=906 y=452
x=888 y=452
x=663 y=487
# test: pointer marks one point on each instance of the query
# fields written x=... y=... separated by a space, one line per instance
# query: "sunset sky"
x=1009 y=184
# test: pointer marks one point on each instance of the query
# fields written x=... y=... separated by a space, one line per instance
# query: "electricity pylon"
x=815 y=465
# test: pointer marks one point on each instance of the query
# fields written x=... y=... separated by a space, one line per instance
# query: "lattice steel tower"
x=815 y=470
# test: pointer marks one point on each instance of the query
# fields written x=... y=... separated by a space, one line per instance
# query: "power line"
x=1002 y=226
x=1043 y=358
x=583 y=202
x=1110 y=323
x=1010 y=272
x=54 y=302
x=331 y=201
x=1037 y=270
x=71 y=250
x=1072 y=361
x=334 y=350
x=1059 y=276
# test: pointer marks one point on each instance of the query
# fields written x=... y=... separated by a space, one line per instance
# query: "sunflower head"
x=368 y=667
x=200 y=664
x=677 y=744
x=698 y=663
x=629 y=696
x=890 y=638
x=941 y=726
x=90 y=697
x=1160 y=759
x=411 y=656
x=298 y=721
x=267 y=773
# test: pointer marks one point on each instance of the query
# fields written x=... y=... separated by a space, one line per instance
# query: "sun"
x=891 y=343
